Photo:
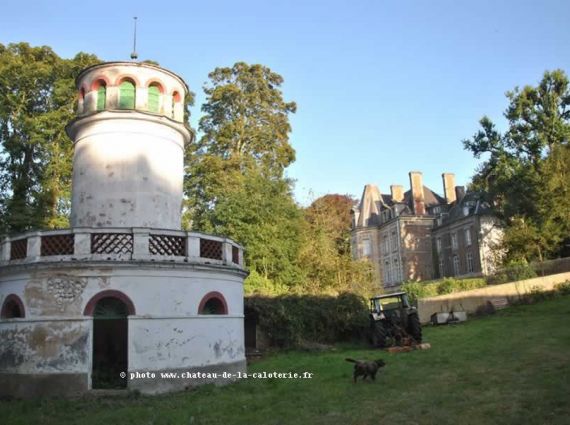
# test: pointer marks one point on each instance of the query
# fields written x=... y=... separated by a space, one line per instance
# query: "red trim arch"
x=12 y=298
x=97 y=82
x=81 y=94
x=213 y=295
x=176 y=98
x=110 y=293
x=127 y=77
x=156 y=83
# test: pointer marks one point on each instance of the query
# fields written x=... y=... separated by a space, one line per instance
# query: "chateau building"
x=420 y=235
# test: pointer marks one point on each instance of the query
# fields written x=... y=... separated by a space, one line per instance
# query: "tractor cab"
x=392 y=316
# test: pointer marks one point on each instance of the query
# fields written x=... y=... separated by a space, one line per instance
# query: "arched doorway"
x=110 y=340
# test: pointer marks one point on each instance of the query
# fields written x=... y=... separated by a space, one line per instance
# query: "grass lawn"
x=509 y=368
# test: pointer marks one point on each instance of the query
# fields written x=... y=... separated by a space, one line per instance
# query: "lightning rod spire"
x=134 y=55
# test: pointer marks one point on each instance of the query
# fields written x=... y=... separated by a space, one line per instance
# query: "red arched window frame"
x=110 y=293
x=9 y=303
x=214 y=295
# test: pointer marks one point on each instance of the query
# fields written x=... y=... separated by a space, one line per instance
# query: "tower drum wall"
x=127 y=172
x=129 y=139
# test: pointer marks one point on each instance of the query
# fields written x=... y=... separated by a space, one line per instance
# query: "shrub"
x=513 y=272
x=290 y=320
x=563 y=288
x=417 y=290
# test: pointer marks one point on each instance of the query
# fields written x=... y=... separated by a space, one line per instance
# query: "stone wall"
x=470 y=301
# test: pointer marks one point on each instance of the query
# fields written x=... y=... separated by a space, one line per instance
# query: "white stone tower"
x=129 y=139
x=124 y=292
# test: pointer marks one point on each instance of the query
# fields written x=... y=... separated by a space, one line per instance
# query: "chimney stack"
x=459 y=192
x=449 y=187
x=397 y=192
x=417 y=186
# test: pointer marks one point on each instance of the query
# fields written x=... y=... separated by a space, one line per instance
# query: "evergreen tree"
x=234 y=176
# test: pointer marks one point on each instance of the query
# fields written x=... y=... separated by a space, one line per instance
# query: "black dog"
x=366 y=368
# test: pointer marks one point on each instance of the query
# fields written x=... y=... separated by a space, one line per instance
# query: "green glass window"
x=153 y=99
x=127 y=95
x=101 y=97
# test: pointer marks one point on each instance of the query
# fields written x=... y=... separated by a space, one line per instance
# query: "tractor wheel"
x=379 y=336
x=414 y=327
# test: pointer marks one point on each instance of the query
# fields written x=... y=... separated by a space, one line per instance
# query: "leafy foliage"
x=325 y=255
x=234 y=176
x=527 y=173
x=448 y=285
x=246 y=119
x=290 y=320
x=515 y=271
x=37 y=98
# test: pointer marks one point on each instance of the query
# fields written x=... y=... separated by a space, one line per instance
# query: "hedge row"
x=448 y=285
x=293 y=320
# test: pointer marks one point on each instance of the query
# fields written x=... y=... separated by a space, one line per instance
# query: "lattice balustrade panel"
x=19 y=249
x=111 y=243
x=167 y=245
x=210 y=249
x=57 y=245
x=235 y=255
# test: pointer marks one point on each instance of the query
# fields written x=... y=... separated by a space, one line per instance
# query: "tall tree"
x=527 y=173
x=37 y=99
x=325 y=257
x=246 y=119
x=234 y=175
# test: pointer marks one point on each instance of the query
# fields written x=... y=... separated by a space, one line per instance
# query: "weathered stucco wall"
x=470 y=301
x=54 y=340
x=127 y=171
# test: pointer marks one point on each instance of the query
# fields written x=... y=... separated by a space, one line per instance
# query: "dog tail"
x=351 y=360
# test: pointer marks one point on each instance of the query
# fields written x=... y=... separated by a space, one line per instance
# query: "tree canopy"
x=37 y=100
x=527 y=173
x=234 y=181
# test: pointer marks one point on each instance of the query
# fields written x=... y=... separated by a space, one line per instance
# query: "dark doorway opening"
x=110 y=344
x=250 y=329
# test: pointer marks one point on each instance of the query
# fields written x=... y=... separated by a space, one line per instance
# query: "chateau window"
x=454 y=240
x=456 y=265
x=387 y=272
x=467 y=237
x=127 y=95
x=154 y=91
x=397 y=271
x=366 y=248
x=438 y=245
x=393 y=241
x=441 y=268
x=469 y=262
x=386 y=245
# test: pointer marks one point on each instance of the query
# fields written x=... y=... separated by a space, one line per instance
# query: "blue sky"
x=382 y=87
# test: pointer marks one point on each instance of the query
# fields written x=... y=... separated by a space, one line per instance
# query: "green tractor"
x=393 y=321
